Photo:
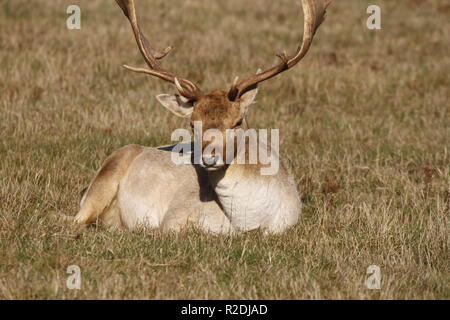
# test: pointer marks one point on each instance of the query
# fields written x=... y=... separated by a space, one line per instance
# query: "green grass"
x=364 y=123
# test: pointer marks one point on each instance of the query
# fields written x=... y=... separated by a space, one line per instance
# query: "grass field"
x=364 y=123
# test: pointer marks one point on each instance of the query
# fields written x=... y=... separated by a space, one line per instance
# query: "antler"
x=185 y=87
x=314 y=12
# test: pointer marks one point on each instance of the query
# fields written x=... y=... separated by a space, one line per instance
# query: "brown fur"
x=98 y=201
x=216 y=111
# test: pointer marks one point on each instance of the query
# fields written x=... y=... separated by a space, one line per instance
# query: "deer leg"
x=205 y=216
x=98 y=202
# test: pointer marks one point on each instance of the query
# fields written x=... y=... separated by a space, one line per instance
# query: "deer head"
x=222 y=110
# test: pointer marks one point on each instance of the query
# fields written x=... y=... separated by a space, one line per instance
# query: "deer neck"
x=249 y=199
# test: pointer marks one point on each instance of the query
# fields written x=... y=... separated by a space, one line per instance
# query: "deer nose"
x=210 y=161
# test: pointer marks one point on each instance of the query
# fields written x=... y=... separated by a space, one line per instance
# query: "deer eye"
x=238 y=124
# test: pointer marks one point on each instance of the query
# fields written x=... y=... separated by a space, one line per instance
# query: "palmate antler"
x=186 y=88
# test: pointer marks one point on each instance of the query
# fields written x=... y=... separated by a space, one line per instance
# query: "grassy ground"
x=364 y=123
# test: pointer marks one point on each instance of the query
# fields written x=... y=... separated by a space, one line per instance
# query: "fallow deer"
x=142 y=186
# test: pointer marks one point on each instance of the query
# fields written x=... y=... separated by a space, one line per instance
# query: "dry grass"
x=364 y=123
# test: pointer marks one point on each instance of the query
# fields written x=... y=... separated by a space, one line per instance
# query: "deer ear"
x=247 y=99
x=177 y=104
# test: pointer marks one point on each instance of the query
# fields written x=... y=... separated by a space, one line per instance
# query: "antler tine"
x=151 y=56
x=314 y=12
